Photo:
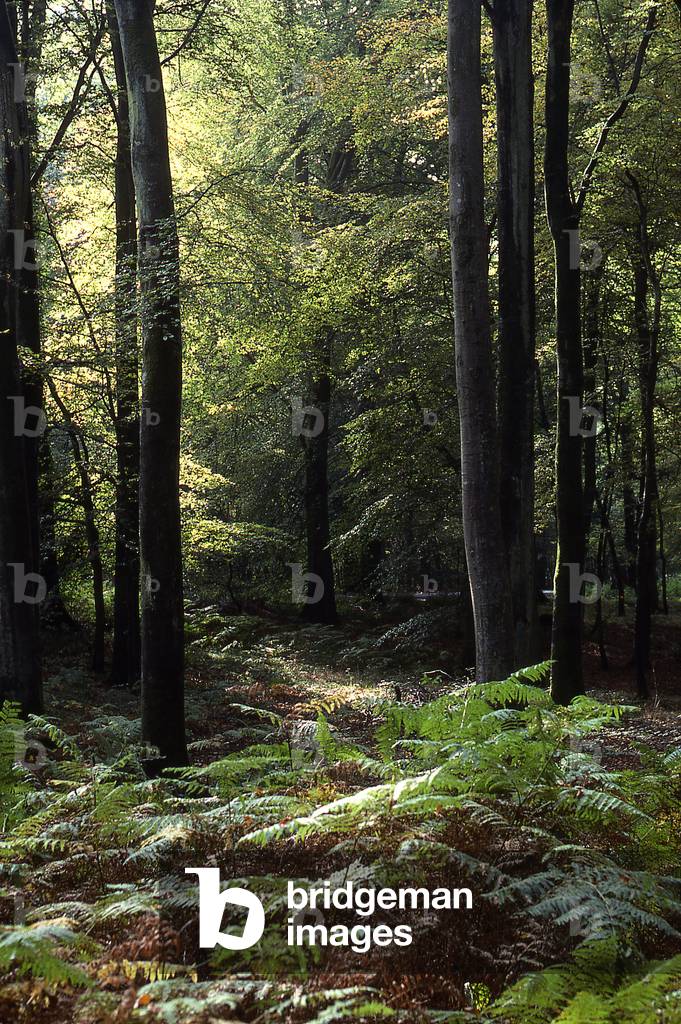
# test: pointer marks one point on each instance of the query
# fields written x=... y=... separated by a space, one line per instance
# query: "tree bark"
x=592 y=344
x=628 y=498
x=20 y=667
x=125 y=665
x=159 y=269
x=512 y=22
x=322 y=606
x=564 y=215
x=485 y=550
x=28 y=294
x=663 y=559
x=563 y=218
x=648 y=329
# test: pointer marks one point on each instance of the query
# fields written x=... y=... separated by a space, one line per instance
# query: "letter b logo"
x=212 y=903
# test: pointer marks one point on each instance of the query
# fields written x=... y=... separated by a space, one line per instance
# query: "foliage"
x=498 y=759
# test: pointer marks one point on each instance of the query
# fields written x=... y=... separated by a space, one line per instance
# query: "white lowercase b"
x=212 y=903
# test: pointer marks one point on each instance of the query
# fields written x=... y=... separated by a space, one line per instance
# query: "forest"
x=340 y=571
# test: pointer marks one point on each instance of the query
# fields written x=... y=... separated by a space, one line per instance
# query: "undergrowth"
x=574 y=865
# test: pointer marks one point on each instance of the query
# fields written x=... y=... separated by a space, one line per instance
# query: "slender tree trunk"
x=604 y=505
x=85 y=493
x=125 y=667
x=29 y=321
x=159 y=267
x=592 y=343
x=515 y=215
x=94 y=548
x=599 y=624
x=564 y=214
x=20 y=670
x=49 y=566
x=94 y=554
x=563 y=218
x=646 y=278
x=317 y=526
x=646 y=556
x=628 y=497
x=316 y=444
x=485 y=550
x=663 y=559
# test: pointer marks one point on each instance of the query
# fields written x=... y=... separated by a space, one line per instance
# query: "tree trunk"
x=125 y=665
x=82 y=463
x=20 y=593
x=29 y=325
x=160 y=535
x=663 y=559
x=563 y=218
x=628 y=497
x=604 y=505
x=592 y=343
x=599 y=625
x=485 y=550
x=515 y=215
x=319 y=561
x=94 y=548
x=321 y=604
x=646 y=556
x=646 y=278
x=40 y=472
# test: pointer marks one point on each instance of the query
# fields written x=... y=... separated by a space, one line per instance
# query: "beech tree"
x=512 y=23
x=125 y=665
x=20 y=587
x=160 y=538
x=480 y=474
x=646 y=281
x=564 y=210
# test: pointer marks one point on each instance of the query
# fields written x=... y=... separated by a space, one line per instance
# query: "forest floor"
x=290 y=669
x=289 y=674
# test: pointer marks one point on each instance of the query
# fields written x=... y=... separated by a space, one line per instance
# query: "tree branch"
x=73 y=108
x=187 y=36
x=608 y=51
x=646 y=255
x=619 y=111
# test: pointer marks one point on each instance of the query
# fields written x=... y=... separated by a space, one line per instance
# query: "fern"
x=597 y=987
x=34 y=950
